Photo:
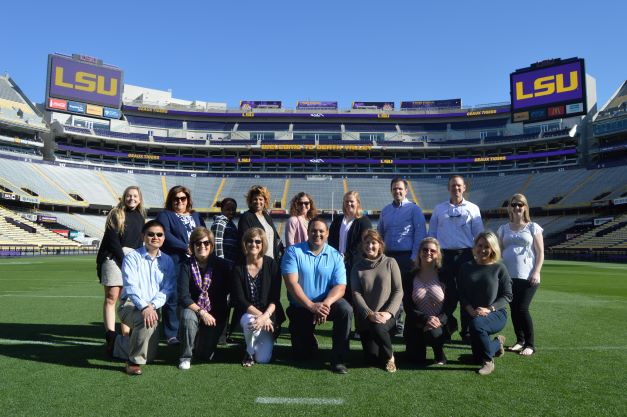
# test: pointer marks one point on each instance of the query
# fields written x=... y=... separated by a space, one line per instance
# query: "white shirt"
x=344 y=228
x=518 y=251
x=456 y=226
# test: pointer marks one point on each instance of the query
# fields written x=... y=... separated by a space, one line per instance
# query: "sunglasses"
x=184 y=198
x=153 y=234
x=255 y=241
x=429 y=251
x=304 y=203
x=517 y=205
x=205 y=243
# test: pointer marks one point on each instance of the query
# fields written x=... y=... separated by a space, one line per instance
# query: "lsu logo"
x=85 y=81
x=546 y=86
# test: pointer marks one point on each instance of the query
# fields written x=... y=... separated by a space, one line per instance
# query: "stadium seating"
x=41 y=236
x=615 y=236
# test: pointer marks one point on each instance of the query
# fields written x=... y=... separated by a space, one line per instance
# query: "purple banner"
x=332 y=161
x=249 y=105
x=339 y=115
x=550 y=85
x=379 y=105
x=316 y=105
x=80 y=81
x=455 y=103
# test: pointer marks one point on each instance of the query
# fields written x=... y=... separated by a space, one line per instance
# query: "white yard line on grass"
x=299 y=401
x=45 y=343
x=50 y=296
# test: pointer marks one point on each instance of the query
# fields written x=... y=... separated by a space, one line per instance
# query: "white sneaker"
x=185 y=364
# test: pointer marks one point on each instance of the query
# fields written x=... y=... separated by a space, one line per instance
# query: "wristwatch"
x=492 y=309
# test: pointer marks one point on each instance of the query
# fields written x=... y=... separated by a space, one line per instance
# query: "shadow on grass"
x=60 y=344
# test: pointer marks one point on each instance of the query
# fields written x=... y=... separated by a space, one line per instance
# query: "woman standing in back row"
x=122 y=235
x=302 y=210
x=178 y=220
x=346 y=231
x=258 y=199
x=523 y=255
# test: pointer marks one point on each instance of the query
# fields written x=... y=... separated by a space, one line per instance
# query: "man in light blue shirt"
x=402 y=226
x=315 y=278
x=455 y=224
x=149 y=278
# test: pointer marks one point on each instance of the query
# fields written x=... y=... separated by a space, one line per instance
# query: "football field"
x=52 y=360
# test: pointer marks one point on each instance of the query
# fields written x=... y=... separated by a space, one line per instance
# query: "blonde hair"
x=255 y=232
x=521 y=198
x=117 y=216
x=355 y=195
x=438 y=248
x=493 y=243
x=256 y=190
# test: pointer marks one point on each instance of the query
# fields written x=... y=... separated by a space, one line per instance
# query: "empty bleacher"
x=40 y=236
x=610 y=235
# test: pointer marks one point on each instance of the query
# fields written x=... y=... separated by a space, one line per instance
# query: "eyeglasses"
x=303 y=203
x=205 y=243
x=454 y=211
x=517 y=205
x=427 y=251
x=255 y=241
x=181 y=199
x=153 y=234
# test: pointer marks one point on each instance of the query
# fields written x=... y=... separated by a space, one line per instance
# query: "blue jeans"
x=484 y=348
x=170 y=317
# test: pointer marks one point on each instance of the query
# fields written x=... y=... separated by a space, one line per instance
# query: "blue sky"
x=319 y=50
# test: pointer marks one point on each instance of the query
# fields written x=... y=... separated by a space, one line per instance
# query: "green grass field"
x=52 y=359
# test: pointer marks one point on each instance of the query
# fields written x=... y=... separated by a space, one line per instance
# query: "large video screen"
x=83 y=82
x=543 y=92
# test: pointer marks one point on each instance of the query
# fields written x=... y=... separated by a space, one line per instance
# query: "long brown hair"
x=313 y=211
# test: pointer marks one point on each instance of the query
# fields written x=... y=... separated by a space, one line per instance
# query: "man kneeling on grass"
x=315 y=278
x=149 y=278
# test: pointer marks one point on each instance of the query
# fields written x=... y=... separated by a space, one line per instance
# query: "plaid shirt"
x=225 y=233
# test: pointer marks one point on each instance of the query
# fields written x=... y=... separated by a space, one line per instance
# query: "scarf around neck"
x=203 y=282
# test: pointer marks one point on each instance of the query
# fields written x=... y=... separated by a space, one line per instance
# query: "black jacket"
x=270 y=275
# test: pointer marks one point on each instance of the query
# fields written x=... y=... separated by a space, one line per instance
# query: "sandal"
x=527 y=351
x=517 y=348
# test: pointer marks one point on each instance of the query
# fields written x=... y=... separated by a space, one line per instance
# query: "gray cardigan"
x=376 y=286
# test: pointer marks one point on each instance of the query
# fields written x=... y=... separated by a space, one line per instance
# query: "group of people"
x=337 y=272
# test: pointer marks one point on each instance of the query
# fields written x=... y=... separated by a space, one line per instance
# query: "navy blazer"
x=176 y=239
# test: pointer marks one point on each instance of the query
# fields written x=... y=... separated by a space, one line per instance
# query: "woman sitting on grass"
x=428 y=305
x=256 y=296
x=202 y=290
x=485 y=288
x=377 y=296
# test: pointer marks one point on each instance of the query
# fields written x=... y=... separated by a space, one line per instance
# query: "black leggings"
x=523 y=293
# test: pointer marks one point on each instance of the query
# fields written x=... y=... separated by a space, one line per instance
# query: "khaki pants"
x=143 y=341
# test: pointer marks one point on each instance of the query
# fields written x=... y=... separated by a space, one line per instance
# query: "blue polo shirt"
x=317 y=274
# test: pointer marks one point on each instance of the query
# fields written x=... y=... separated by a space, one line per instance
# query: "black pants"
x=302 y=327
x=377 y=341
x=417 y=340
x=452 y=260
x=405 y=265
x=523 y=293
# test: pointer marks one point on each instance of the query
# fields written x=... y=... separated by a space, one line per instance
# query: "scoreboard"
x=548 y=90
